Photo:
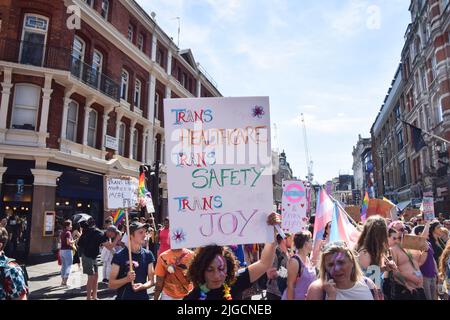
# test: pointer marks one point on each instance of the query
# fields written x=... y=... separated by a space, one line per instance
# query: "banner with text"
x=120 y=192
x=294 y=207
x=219 y=171
x=428 y=208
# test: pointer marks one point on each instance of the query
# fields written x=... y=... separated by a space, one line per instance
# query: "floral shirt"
x=12 y=279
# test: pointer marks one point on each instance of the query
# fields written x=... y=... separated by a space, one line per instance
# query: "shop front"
x=16 y=205
x=78 y=191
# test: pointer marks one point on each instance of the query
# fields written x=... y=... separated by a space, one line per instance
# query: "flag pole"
x=426 y=132
x=129 y=239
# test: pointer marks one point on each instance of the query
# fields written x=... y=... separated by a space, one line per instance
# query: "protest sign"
x=294 y=201
x=219 y=171
x=120 y=192
x=428 y=208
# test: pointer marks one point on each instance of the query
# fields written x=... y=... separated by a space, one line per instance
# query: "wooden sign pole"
x=129 y=239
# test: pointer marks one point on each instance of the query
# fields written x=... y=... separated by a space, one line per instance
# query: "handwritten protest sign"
x=219 y=171
x=294 y=201
x=428 y=207
x=120 y=192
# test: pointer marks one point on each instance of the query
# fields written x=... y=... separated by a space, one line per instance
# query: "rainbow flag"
x=142 y=189
x=118 y=217
x=365 y=206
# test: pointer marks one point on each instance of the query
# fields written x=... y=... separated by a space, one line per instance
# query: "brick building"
x=420 y=94
x=81 y=103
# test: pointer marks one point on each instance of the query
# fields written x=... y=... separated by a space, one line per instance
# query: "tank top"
x=360 y=291
x=308 y=276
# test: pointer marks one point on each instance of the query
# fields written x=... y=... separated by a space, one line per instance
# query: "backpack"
x=282 y=279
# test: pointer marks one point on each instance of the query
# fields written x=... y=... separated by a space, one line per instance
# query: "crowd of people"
x=379 y=267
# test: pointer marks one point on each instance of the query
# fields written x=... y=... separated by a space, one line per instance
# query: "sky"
x=332 y=60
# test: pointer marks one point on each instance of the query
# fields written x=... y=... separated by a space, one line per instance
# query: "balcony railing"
x=35 y=54
x=93 y=78
x=39 y=55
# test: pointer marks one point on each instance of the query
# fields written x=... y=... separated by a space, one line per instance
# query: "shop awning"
x=402 y=205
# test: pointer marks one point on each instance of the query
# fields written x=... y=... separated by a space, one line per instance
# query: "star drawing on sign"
x=179 y=236
x=258 y=111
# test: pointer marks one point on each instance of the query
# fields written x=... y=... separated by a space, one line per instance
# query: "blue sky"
x=333 y=60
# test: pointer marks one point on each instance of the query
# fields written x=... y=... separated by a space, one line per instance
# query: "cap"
x=136 y=225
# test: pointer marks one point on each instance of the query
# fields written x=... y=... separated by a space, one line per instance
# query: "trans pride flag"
x=364 y=208
x=342 y=229
x=118 y=217
x=324 y=214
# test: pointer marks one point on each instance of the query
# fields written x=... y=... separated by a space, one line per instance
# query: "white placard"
x=219 y=164
x=294 y=203
x=121 y=192
x=111 y=143
x=428 y=208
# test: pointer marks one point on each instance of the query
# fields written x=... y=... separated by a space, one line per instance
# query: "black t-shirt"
x=141 y=261
x=90 y=242
x=242 y=283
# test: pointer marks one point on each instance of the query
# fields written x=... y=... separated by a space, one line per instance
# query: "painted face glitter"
x=221 y=264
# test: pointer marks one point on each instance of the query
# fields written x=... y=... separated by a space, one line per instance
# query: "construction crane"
x=309 y=162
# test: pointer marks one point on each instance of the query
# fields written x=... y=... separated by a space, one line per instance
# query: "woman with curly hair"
x=444 y=270
x=214 y=271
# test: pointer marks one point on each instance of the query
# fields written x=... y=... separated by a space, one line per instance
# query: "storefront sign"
x=49 y=223
x=219 y=171
x=121 y=192
x=111 y=143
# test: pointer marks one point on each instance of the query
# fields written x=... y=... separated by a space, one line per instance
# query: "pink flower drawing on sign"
x=258 y=112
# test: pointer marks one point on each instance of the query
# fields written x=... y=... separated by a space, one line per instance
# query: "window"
x=72 y=121
x=397 y=112
x=90 y=3
x=135 y=144
x=424 y=80
x=137 y=94
x=160 y=57
x=92 y=128
x=130 y=32
x=34 y=38
x=400 y=140
x=105 y=9
x=140 y=43
x=97 y=66
x=122 y=139
x=77 y=56
x=146 y=160
x=26 y=104
x=184 y=80
x=439 y=114
x=157 y=106
x=124 y=85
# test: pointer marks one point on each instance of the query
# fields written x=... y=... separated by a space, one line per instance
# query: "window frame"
x=137 y=93
x=119 y=139
x=26 y=28
x=77 y=106
x=105 y=13
x=126 y=83
x=134 y=147
x=16 y=86
x=94 y=129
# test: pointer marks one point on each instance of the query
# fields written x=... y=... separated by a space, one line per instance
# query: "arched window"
x=34 y=38
x=92 y=128
x=72 y=121
x=26 y=105
x=122 y=139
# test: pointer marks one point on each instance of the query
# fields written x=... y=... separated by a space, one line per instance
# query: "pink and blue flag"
x=342 y=229
x=324 y=214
